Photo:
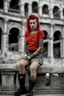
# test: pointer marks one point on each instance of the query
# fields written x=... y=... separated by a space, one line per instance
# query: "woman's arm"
x=40 y=49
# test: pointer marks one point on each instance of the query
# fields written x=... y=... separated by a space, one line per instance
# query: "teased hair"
x=32 y=16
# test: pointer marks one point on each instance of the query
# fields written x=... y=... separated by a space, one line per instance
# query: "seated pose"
x=33 y=56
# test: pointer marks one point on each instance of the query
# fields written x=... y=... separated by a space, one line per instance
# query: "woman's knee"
x=22 y=64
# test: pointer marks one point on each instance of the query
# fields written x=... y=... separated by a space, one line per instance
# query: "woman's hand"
x=26 y=57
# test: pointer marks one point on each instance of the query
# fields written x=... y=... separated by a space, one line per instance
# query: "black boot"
x=31 y=85
x=22 y=89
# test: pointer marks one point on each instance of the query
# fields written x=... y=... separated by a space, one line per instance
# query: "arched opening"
x=1 y=4
x=35 y=7
x=56 y=12
x=0 y=37
x=13 y=39
x=45 y=9
x=14 y=5
x=26 y=9
x=56 y=46
x=45 y=54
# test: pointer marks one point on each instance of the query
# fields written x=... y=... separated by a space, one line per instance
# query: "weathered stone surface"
x=7 y=80
x=56 y=86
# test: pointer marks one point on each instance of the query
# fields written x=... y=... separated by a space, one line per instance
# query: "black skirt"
x=38 y=58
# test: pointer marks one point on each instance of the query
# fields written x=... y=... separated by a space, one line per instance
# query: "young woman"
x=33 y=57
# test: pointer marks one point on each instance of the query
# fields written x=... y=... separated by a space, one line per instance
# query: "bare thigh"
x=34 y=65
x=23 y=62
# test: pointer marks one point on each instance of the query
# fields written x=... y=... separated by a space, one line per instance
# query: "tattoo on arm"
x=41 y=44
x=40 y=49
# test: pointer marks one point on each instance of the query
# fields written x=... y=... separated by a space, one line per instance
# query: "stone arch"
x=56 y=12
x=46 y=35
x=26 y=8
x=14 y=4
x=45 y=9
x=1 y=4
x=0 y=37
x=57 y=44
x=14 y=24
x=34 y=7
x=45 y=54
x=13 y=39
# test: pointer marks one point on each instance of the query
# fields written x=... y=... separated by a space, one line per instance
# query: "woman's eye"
x=32 y=23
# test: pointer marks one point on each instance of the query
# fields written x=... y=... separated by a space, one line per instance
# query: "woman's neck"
x=33 y=32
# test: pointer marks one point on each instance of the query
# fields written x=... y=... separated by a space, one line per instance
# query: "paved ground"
x=48 y=95
x=56 y=87
x=40 y=95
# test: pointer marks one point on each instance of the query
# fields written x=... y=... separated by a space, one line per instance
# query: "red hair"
x=32 y=16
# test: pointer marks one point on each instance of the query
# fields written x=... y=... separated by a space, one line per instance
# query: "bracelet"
x=32 y=56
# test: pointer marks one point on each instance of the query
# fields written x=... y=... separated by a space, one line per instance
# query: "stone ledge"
x=45 y=68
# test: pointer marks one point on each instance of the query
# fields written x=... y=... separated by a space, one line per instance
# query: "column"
x=62 y=51
x=6 y=5
x=61 y=13
x=4 y=39
x=30 y=9
x=50 y=46
x=51 y=9
x=40 y=11
x=51 y=13
x=61 y=10
x=61 y=47
x=21 y=8
x=22 y=39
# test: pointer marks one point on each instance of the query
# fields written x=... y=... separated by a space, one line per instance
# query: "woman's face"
x=33 y=24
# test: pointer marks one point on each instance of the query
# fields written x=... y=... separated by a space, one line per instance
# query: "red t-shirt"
x=33 y=41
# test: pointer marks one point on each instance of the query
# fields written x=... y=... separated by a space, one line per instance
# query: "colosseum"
x=13 y=14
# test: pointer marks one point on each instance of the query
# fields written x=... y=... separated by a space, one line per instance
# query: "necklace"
x=32 y=33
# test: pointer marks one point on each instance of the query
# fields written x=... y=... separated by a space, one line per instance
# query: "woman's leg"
x=21 y=77
x=22 y=64
x=33 y=76
x=33 y=69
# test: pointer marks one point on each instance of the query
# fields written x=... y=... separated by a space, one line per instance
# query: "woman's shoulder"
x=41 y=33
